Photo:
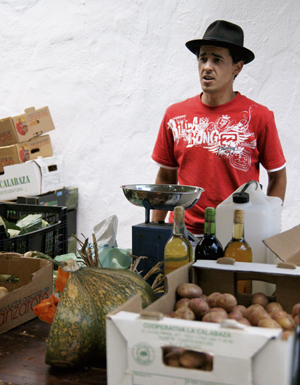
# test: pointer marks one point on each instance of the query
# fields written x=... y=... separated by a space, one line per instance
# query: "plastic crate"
x=52 y=240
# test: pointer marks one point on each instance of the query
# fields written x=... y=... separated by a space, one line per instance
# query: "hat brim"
x=194 y=46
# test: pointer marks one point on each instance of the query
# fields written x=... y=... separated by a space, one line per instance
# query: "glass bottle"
x=178 y=249
x=239 y=249
x=209 y=247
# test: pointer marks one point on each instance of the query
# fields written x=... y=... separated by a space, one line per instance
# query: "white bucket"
x=262 y=220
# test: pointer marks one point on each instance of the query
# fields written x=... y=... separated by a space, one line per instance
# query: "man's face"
x=217 y=70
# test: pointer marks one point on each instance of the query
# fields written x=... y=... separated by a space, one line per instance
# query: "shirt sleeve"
x=271 y=154
x=163 y=152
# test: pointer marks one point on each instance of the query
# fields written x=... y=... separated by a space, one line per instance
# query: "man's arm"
x=277 y=183
x=164 y=176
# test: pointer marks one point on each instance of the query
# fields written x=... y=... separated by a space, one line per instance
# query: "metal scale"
x=148 y=238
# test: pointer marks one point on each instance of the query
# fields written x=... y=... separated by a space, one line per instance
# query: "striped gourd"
x=77 y=335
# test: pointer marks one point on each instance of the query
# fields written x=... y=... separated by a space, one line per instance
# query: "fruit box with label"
x=26 y=126
x=24 y=151
x=241 y=355
x=31 y=283
x=32 y=178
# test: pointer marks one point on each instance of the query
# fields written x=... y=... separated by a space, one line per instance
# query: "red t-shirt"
x=218 y=148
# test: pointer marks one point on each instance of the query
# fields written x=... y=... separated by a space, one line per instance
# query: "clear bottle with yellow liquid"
x=239 y=249
x=178 y=249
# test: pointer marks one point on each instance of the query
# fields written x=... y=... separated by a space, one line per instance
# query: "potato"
x=192 y=360
x=212 y=298
x=259 y=298
x=241 y=308
x=251 y=308
x=285 y=335
x=208 y=366
x=182 y=302
x=226 y=301
x=171 y=355
x=3 y=291
x=184 y=312
x=235 y=314
x=295 y=310
x=199 y=307
x=277 y=313
x=172 y=358
x=257 y=315
x=268 y=323
x=215 y=316
x=286 y=322
x=273 y=306
x=189 y=290
x=244 y=321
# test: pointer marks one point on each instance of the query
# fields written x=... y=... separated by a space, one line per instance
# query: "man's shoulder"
x=245 y=101
x=184 y=104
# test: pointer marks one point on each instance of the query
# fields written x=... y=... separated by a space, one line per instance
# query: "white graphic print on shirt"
x=225 y=136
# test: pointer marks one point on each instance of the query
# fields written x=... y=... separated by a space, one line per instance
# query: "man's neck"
x=216 y=99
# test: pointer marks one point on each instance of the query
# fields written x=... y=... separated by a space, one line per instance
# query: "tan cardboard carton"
x=286 y=245
x=24 y=151
x=242 y=355
x=26 y=126
x=35 y=284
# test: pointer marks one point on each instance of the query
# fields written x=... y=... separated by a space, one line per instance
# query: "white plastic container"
x=262 y=220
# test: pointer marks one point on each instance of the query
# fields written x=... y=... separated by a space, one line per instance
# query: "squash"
x=78 y=334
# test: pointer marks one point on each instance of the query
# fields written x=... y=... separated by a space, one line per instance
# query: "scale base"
x=149 y=240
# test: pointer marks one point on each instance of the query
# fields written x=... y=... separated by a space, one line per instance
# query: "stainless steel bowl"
x=162 y=196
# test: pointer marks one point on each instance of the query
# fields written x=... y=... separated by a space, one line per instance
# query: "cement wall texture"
x=108 y=70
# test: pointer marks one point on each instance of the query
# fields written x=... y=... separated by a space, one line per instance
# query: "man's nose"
x=208 y=65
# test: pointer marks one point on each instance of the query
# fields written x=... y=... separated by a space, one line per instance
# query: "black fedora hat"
x=221 y=33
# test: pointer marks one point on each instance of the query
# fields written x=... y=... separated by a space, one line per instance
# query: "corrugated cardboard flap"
x=286 y=245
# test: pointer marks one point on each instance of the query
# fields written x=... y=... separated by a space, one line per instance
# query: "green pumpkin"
x=78 y=335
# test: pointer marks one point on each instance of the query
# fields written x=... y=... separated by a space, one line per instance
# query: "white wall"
x=108 y=70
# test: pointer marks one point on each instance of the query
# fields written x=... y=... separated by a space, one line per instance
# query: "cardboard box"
x=286 y=245
x=26 y=126
x=35 y=284
x=242 y=355
x=32 y=178
x=67 y=197
x=24 y=151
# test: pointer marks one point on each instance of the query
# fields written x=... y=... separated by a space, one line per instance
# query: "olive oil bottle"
x=178 y=249
x=239 y=249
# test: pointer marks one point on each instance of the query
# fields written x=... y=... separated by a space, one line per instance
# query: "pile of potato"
x=193 y=304
x=179 y=357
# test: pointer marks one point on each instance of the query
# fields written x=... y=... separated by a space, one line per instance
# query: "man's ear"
x=238 y=68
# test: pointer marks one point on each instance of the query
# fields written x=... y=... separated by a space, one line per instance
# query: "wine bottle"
x=209 y=247
x=178 y=249
x=239 y=249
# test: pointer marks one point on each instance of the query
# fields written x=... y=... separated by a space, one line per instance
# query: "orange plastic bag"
x=61 y=279
x=47 y=308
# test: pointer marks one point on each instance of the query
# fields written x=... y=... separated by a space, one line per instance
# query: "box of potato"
x=216 y=336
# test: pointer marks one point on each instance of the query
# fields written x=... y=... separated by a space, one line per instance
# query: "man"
x=218 y=139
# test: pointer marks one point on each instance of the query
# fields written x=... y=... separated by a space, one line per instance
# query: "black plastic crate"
x=52 y=240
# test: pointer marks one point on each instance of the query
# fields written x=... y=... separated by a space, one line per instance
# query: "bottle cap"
x=240 y=197
x=210 y=214
x=178 y=213
x=239 y=216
